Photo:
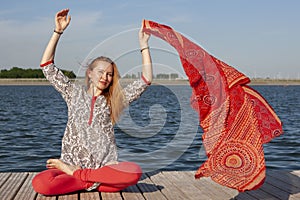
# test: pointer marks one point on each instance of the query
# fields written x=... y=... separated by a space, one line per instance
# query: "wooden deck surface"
x=172 y=185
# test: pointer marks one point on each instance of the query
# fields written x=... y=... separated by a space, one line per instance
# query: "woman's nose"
x=104 y=75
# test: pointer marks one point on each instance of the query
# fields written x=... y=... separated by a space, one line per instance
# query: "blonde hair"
x=114 y=93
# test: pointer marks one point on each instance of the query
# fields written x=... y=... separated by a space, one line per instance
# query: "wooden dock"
x=172 y=185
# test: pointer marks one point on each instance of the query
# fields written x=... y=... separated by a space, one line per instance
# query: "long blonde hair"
x=114 y=93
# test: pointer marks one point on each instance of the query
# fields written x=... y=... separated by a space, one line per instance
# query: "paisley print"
x=88 y=145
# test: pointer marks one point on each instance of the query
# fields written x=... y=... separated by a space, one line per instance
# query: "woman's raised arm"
x=146 y=58
x=62 y=20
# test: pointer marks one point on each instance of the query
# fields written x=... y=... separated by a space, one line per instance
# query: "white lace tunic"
x=88 y=145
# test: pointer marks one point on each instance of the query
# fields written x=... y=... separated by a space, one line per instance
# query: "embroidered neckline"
x=94 y=98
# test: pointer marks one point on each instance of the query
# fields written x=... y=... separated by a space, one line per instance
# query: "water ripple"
x=33 y=118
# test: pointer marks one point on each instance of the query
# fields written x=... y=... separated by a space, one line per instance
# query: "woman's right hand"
x=143 y=38
x=62 y=20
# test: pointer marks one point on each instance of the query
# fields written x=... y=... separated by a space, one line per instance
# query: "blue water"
x=158 y=131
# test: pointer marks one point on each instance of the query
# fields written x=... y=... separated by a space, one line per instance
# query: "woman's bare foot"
x=58 y=164
x=112 y=163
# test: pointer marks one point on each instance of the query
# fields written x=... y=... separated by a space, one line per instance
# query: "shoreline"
x=38 y=81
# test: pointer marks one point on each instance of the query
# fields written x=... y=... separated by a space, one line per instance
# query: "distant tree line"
x=17 y=72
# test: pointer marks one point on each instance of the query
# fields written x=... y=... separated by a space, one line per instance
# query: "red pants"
x=112 y=178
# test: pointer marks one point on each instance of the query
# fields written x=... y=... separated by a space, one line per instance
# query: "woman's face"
x=101 y=75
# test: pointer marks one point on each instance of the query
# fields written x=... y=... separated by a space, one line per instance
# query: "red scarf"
x=236 y=119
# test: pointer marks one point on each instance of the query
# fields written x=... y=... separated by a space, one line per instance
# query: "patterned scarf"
x=236 y=119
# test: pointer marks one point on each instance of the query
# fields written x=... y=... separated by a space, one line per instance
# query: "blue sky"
x=260 y=38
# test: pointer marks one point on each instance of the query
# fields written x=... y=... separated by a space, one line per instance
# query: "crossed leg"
x=112 y=178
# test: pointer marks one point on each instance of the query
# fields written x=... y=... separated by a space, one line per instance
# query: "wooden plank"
x=132 y=192
x=185 y=181
x=170 y=190
x=287 y=181
x=89 y=196
x=26 y=191
x=278 y=185
x=289 y=178
x=3 y=178
x=42 y=197
x=290 y=188
x=222 y=190
x=244 y=196
x=193 y=184
x=287 y=187
x=12 y=185
x=277 y=192
x=294 y=196
x=296 y=172
x=260 y=194
x=163 y=185
x=73 y=196
x=225 y=192
x=204 y=188
x=150 y=190
x=111 y=196
x=210 y=188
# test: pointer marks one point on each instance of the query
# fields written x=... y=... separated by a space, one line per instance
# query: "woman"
x=89 y=153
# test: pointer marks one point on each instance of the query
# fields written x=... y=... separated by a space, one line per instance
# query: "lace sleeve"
x=134 y=90
x=56 y=77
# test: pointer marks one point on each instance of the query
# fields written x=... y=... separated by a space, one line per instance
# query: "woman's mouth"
x=103 y=82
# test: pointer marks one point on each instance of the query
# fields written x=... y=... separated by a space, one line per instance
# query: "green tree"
x=17 y=72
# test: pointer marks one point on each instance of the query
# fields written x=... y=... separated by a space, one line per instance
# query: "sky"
x=260 y=38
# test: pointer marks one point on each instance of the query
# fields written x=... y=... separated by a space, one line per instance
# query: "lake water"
x=159 y=131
